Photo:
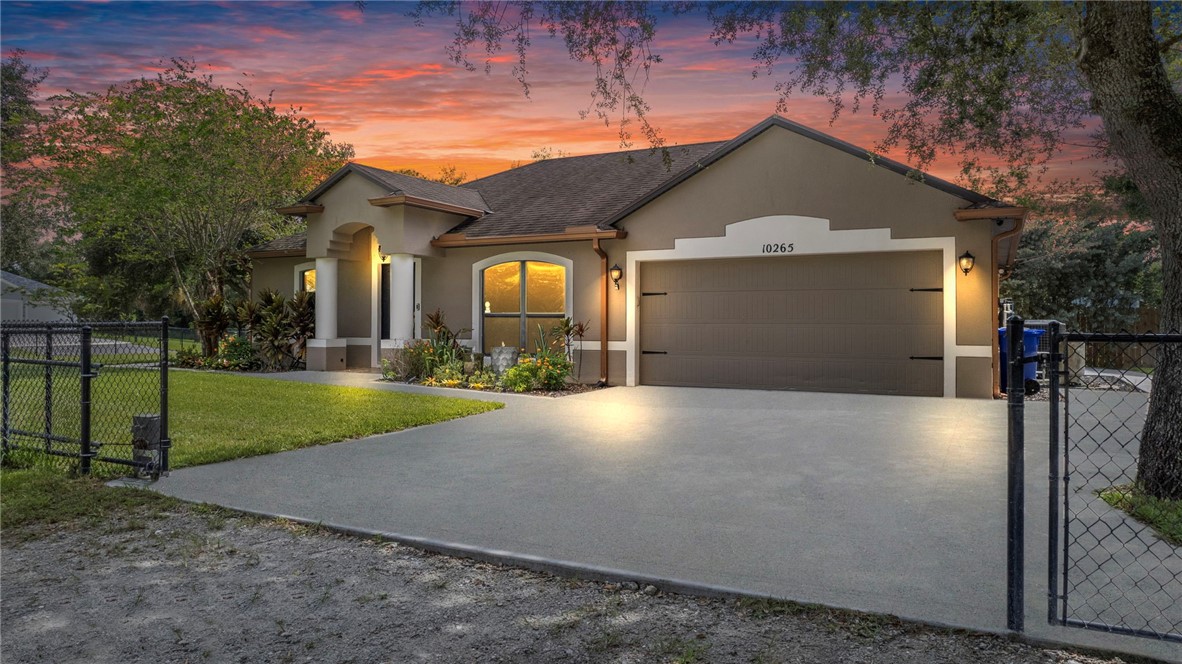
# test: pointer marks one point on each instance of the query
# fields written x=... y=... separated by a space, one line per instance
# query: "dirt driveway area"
x=196 y=584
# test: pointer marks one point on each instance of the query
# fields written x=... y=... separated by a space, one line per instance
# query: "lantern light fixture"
x=616 y=273
x=967 y=261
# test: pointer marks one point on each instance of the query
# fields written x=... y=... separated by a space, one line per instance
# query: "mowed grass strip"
x=34 y=497
x=1163 y=516
x=217 y=416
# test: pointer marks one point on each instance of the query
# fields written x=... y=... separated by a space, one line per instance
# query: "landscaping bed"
x=149 y=578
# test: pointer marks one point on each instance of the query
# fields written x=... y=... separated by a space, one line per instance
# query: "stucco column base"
x=326 y=355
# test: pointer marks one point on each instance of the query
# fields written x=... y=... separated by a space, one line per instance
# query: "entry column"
x=325 y=351
x=402 y=298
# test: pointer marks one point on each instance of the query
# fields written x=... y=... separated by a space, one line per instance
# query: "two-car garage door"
x=870 y=323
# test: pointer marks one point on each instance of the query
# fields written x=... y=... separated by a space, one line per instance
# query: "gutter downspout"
x=603 y=328
x=997 y=279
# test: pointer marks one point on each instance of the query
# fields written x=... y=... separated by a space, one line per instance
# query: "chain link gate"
x=85 y=397
x=1108 y=571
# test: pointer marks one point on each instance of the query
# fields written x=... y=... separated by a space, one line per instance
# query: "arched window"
x=517 y=297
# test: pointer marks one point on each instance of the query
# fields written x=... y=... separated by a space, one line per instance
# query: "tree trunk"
x=1122 y=65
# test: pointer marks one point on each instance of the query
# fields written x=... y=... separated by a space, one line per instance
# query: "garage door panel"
x=829 y=323
x=869 y=377
x=779 y=340
x=828 y=306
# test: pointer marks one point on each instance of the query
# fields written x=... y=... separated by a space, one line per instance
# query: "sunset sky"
x=377 y=81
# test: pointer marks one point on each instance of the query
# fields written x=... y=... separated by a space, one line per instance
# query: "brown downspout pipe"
x=603 y=328
x=1016 y=230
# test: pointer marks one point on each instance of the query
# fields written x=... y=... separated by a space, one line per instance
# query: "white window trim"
x=477 y=282
x=297 y=286
x=809 y=236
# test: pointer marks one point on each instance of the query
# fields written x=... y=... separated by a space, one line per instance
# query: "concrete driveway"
x=887 y=504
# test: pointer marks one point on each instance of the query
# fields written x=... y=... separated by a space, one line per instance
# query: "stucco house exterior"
x=781 y=259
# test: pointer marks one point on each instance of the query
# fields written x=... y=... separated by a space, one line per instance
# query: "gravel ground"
x=195 y=584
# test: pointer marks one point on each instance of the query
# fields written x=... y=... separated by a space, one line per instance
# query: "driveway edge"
x=569 y=569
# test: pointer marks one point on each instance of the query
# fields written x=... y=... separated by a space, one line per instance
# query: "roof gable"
x=730 y=146
x=399 y=184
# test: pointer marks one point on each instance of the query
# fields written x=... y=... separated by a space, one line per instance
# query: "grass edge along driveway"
x=219 y=417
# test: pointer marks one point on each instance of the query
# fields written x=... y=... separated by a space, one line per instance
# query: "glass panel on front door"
x=518 y=297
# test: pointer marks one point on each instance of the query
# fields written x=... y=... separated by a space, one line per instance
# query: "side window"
x=308 y=280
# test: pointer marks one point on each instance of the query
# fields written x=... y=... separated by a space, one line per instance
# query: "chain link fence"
x=88 y=397
x=1120 y=561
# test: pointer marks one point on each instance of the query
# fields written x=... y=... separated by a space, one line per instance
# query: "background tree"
x=1088 y=259
x=447 y=175
x=29 y=218
x=1003 y=81
x=169 y=179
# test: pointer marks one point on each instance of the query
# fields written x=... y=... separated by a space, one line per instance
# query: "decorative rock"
x=650 y=590
x=503 y=357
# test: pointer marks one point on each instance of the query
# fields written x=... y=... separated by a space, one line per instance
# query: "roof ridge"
x=599 y=154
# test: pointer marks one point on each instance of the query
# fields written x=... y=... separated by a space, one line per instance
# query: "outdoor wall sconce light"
x=967 y=261
x=616 y=274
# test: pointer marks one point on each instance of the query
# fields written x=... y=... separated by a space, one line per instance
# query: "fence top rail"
x=1123 y=337
x=32 y=326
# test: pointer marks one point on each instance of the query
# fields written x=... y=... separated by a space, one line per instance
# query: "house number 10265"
x=778 y=248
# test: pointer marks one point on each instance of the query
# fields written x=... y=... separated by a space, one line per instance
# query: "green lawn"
x=219 y=416
x=34 y=497
x=1164 y=516
x=212 y=417
x=216 y=416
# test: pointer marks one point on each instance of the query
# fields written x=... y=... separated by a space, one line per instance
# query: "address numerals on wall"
x=778 y=248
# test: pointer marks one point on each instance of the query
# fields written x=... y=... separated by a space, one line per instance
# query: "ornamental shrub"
x=521 y=377
x=236 y=354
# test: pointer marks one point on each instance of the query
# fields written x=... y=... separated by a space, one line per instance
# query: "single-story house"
x=781 y=259
x=24 y=299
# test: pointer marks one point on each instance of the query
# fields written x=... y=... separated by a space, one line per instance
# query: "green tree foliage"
x=18 y=107
x=29 y=219
x=447 y=175
x=1086 y=268
x=169 y=179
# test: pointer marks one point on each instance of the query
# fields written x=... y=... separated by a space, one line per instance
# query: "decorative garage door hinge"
x=927 y=290
x=654 y=352
x=661 y=293
x=928 y=357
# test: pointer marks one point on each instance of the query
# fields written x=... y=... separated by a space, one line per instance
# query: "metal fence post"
x=48 y=391
x=7 y=377
x=165 y=441
x=1015 y=521
x=1053 y=374
x=84 y=415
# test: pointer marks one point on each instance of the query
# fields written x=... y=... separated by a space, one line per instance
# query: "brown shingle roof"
x=548 y=196
x=290 y=245
x=398 y=184
x=598 y=190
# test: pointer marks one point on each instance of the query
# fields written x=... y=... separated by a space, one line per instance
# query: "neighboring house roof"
x=291 y=245
x=597 y=191
x=17 y=282
x=399 y=184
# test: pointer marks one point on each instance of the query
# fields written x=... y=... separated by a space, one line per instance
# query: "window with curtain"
x=518 y=297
